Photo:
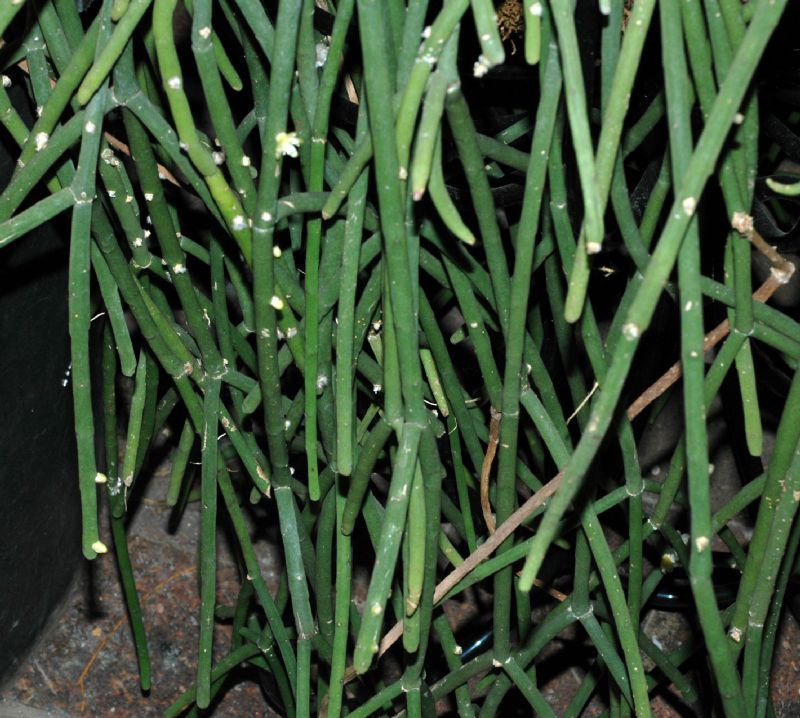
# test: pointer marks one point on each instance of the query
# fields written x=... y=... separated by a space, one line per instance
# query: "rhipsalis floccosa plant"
x=425 y=273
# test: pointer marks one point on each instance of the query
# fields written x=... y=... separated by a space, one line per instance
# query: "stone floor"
x=84 y=666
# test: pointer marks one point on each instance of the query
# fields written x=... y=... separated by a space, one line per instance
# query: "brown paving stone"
x=86 y=664
x=93 y=627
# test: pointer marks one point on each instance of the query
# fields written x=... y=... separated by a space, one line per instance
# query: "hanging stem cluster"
x=276 y=212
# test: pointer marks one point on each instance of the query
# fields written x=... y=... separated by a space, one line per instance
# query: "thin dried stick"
x=486 y=549
x=486 y=468
x=743 y=223
x=113 y=141
x=163 y=172
x=782 y=270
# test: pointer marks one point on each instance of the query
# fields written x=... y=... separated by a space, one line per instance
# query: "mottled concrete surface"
x=84 y=666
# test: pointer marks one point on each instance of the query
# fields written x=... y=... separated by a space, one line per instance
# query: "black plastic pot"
x=39 y=505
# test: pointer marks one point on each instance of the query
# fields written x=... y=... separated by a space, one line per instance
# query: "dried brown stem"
x=714 y=337
x=743 y=223
x=504 y=530
x=486 y=468
x=486 y=549
x=119 y=145
x=113 y=141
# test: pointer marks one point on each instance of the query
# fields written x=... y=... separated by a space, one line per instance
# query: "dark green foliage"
x=413 y=292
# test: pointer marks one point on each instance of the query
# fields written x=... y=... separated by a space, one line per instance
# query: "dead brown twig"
x=118 y=145
x=486 y=468
x=782 y=271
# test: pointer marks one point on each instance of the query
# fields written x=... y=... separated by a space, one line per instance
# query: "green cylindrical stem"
x=112 y=49
x=388 y=548
x=692 y=331
x=208 y=540
x=515 y=333
x=640 y=313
